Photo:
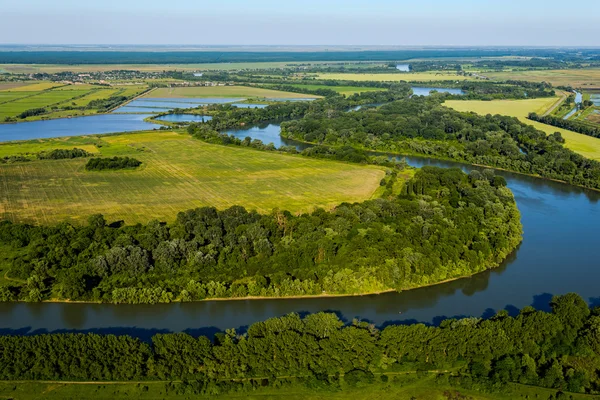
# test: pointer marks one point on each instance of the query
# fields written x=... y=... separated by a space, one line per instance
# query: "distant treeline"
x=182 y=57
x=572 y=125
x=446 y=224
x=558 y=349
x=98 y=164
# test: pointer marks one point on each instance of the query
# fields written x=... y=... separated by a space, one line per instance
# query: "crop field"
x=15 y=101
x=178 y=173
x=579 y=78
x=223 y=91
x=396 y=77
x=346 y=90
x=41 y=99
x=587 y=146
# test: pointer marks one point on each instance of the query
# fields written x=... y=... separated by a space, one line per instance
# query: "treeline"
x=345 y=153
x=422 y=126
x=226 y=116
x=572 y=125
x=32 y=113
x=449 y=225
x=99 y=164
x=61 y=154
x=558 y=349
x=103 y=105
x=56 y=154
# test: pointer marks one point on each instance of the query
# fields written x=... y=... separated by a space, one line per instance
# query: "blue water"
x=595 y=98
x=184 y=118
x=425 y=91
x=96 y=124
x=169 y=104
x=146 y=110
x=403 y=67
x=244 y=105
x=559 y=254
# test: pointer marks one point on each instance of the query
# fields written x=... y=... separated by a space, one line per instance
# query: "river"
x=559 y=254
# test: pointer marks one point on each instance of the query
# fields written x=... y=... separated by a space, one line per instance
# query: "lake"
x=96 y=124
x=184 y=118
x=403 y=67
x=559 y=254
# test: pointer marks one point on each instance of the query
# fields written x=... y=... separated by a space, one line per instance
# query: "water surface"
x=403 y=67
x=559 y=254
x=95 y=124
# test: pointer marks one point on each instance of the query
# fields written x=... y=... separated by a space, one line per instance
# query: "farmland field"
x=178 y=173
x=587 y=146
x=223 y=91
x=409 y=77
x=569 y=77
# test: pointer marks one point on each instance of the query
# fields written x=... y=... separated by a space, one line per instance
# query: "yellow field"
x=34 y=87
x=408 y=77
x=587 y=146
x=224 y=91
x=178 y=173
x=569 y=77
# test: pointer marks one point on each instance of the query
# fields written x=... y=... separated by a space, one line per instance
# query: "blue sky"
x=296 y=22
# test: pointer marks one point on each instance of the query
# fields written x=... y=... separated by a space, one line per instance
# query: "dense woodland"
x=558 y=349
x=445 y=225
x=422 y=126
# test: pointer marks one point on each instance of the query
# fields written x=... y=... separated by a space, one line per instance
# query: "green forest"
x=422 y=126
x=557 y=349
x=446 y=224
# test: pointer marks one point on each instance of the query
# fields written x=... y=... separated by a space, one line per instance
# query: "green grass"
x=39 y=100
x=346 y=90
x=396 y=77
x=398 y=388
x=178 y=173
x=16 y=100
x=223 y=91
x=587 y=146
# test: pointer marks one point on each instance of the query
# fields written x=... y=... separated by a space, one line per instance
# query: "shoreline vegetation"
x=322 y=251
x=555 y=349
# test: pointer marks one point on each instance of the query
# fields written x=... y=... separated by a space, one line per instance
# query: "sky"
x=302 y=22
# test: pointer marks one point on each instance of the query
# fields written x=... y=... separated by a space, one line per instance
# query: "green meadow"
x=178 y=173
x=400 y=387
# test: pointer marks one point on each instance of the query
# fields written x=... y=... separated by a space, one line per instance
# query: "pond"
x=403 y=67
x=425 y=91
x=96 y=124
x=184 y=118
x=559 y=254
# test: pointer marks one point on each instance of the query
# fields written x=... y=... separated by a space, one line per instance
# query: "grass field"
x=44 y=95
x=346 y=90
x=585 y=145
x=224 y=91
x=579 y=78
x=178 y=173
x=398 y=388
x=409 y=77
